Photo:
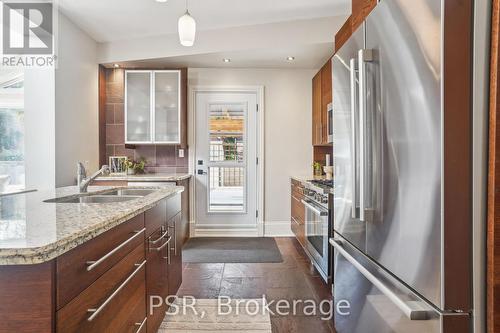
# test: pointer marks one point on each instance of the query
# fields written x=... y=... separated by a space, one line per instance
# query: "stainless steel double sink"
x=110 y=196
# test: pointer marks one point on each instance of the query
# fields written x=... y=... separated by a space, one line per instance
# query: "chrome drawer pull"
x=141 y=325
x=161 y=247
x=93 y=264
x=168 y=254
x=159 y=239
x=95 y=312
x=175 y=237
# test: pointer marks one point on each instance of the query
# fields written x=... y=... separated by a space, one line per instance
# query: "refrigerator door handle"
x=413 y=310
x=352 y=69
x=363 y=57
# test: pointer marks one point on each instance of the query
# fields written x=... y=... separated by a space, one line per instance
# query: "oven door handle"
x=314 y=209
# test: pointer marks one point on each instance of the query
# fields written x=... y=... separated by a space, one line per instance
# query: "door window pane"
x=167 y=107
x=226 y=132
x=12 y=169
x=226 y=192
x=138 y=107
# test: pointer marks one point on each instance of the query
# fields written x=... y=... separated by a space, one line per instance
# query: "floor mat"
x=231 y=250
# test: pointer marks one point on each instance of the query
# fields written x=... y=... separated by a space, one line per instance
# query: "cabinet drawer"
x=156 y=217
x=114 y=303
x=83 y=265
x=173 y=206
x=298 y=210
x=299 y=231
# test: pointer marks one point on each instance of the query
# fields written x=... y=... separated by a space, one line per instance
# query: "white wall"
x=39 y=125
x=288 y=149
x=76 y=121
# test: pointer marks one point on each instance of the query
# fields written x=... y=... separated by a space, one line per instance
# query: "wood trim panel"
x=493 y=235
x=27 y=294
x=102 y=115
x=457 y=154
x=360 y=10
x=343 y=34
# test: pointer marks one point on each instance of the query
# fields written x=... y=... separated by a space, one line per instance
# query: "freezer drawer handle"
x=413 y=311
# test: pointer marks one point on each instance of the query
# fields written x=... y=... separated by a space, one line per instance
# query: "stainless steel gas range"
x=318 y=227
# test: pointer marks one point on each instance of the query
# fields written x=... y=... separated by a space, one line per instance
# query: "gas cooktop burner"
x=323 y=182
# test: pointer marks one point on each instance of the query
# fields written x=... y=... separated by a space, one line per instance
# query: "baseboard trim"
x=278 y=229
x=226 y=233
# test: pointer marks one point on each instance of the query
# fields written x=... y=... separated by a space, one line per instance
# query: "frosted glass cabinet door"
x=138 y=106
x=166 y=106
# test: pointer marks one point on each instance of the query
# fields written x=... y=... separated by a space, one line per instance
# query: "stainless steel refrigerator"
x=393 y=269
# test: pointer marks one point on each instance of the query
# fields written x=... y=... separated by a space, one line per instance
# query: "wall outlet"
x=181 y=152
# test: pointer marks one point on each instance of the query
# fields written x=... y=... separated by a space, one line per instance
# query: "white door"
x=226 y=158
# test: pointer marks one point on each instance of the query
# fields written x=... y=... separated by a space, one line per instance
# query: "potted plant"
x=135 y=167
x=317 y=169
x=140 y=165
x=129 y=164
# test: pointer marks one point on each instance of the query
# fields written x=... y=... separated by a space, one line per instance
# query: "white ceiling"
x=306 y=57
x=114 y=20
x=253 y=33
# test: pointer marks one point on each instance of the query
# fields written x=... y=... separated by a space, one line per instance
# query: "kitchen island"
x=88 y=267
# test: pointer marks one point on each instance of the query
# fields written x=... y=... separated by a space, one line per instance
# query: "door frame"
x=259 y=186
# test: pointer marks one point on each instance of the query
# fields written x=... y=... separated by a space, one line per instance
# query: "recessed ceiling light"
x=226 y=60
x=116 y=65
x=290 y=58
x=161 y=1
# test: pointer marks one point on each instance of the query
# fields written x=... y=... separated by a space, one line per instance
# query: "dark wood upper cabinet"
x=322 y=96
x=316 y=109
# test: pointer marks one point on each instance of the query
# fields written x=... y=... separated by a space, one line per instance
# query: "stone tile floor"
x=290 y=280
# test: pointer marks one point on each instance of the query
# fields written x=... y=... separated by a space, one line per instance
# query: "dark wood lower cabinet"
x=157 y=276
x=103 y=307
x=114 y=299
x=175 y=267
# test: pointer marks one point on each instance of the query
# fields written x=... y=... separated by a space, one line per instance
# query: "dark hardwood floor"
x=290 y=280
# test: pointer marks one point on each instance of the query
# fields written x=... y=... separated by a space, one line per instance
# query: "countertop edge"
x=46 y=253
x=145 y=178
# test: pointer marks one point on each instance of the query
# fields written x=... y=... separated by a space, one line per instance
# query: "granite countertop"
x=33 y=231
x=148 y=177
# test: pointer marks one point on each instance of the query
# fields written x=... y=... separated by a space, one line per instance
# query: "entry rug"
x=231 y=250
x=206 y=316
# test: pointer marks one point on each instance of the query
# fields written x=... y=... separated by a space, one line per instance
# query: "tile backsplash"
x=160 y=158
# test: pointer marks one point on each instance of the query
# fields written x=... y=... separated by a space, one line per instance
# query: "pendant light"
x=187 y=28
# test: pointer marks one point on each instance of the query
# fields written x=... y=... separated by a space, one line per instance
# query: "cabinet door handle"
x=158 y=249
x=141 y=324
x=97 y=310
x=175 y=238
x=160 y=238
x=93 y=264
x=168 y=254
